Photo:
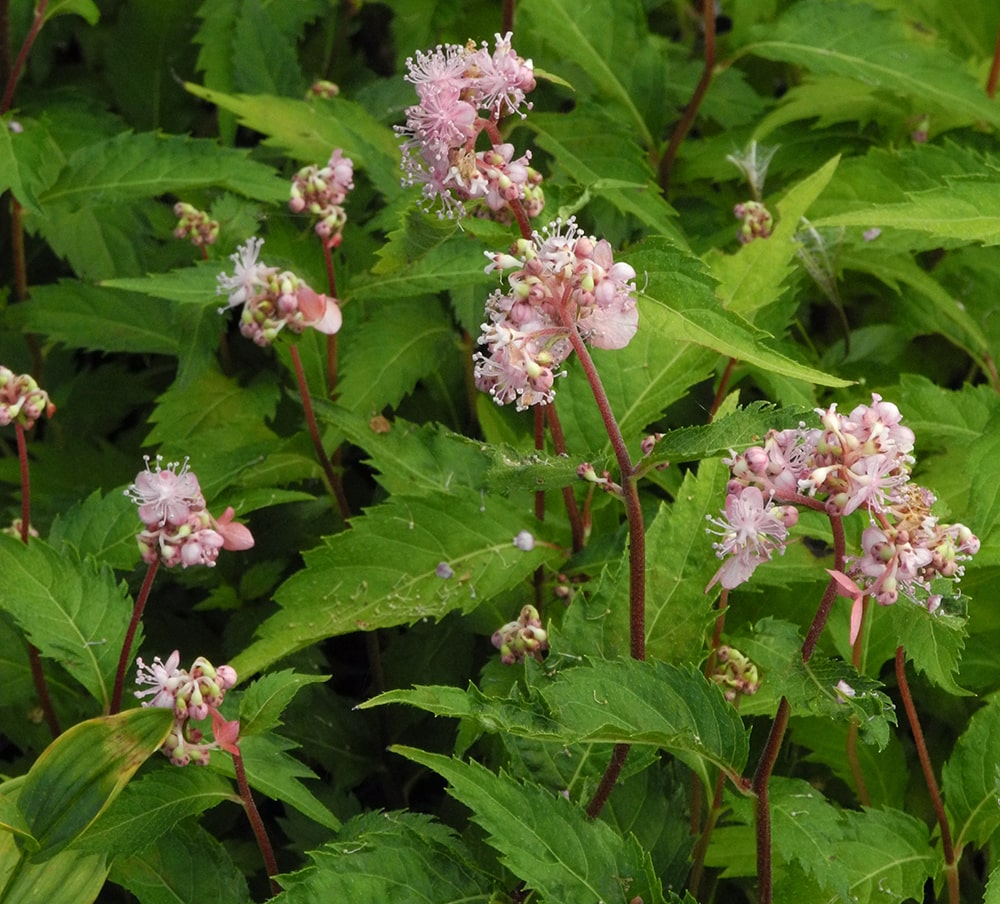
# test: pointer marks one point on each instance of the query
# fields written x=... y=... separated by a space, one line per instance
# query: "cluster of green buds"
x=755 y=219
x=735 y=674
x=21 y=401
x=523 y=637
x=195 y=225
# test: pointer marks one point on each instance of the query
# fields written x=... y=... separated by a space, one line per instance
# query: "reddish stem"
x=126 y=654
x=691 y=111
x=768 y=758
x=720 y=393
x=991 y=82
x=331 y=340
x=950 y=866
x=333 y=479
x=22 y=57
x=507 y=17
x=22 y=458
x=256 y=823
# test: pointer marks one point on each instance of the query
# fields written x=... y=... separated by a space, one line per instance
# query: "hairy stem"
x=22 y=57
x=332 y=477
x=994 y=76
x=948 y=847
x=126 y=654
x=257 y=824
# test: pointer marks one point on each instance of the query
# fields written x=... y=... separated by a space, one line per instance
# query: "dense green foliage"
x=392 y=755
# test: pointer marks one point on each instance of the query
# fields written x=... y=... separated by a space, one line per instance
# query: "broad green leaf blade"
x=584 y=37
x=544 y=839
x=934 y=642
x=83 y=771
x=14 y=175
x=754 y=276
x=86 y=9
x=384 y=571
x=386 y=357
x=68 y=877
x=98 y=319
x=74 y=613
x=964 y=211
x=101 y=527
x=188 y=865
x=970 y=781
x=878 y=49
x=387 y=856
x=190 y=285
x=12 y=821
x=130 y=166
x=152 y=806
x=689 y=310
x=274 y=772
x=265 y=700
x=309 y=132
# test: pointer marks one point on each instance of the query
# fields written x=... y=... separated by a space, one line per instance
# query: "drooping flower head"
x=194 y=695
x=179 y=530
x=562 y=280
x=273 y=300
x=522 y=637
x=195 y=225
x=455 y=84
x=21 y=400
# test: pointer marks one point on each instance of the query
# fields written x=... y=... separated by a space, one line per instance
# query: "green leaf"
x=309 y=132
x=970 y=782
x=86 y=9
x=934 y=642
x=404 y=342
x=83 y=771
x=582 y=37
x=386 y=856
x=189 y=285
x=17 y=161
x=68 y=877
x=98 y=319
x=753 y=277
x=275 y=773
x=690 y=312
x=129 y=166
x=152 y=806
x=544 y=840
x=101 y=527
x=12 y=821
x=624 y=701
x=186 y=865
x=74 y=613
x=879 y=49
x=383 y=571
x=265 y=700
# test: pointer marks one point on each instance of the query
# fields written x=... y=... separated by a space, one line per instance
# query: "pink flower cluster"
x=856 y=462
x=195 y=225
x=522 y=637
x=321 y=191
x=179 y=529
x=562 y=280
x=755 y=219
x=21 y=400
x=272 y=300
x=193 y=696
x=454 y=83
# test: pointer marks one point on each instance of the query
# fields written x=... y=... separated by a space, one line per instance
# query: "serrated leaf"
x=309 y=132
x=384 y=571
x=129 y=166
x=933 y=641
x=74 y=613
x=265 y=700
x=624 y=701
x=274 y=772
x=970 y=782
x=390 y=353
x=15 y=172
x=86 y=9
x=189 y=285
x=80 y=773
x=984 y=467
x=101 y=527
x=187 y=865
x=545 y=840
x=876 y=48
x=152 y=806
x=98 y=319
x=384 y=856
x=753 y=277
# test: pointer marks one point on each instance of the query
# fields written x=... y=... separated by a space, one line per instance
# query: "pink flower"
x=750 y=532
x=234 y=535
x=166 y=496
x=21 y=400
x=226 y=734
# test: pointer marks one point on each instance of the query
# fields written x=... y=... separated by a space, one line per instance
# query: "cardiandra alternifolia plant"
x=570 y=440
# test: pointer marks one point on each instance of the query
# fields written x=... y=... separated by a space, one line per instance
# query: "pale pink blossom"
x=750 y=533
